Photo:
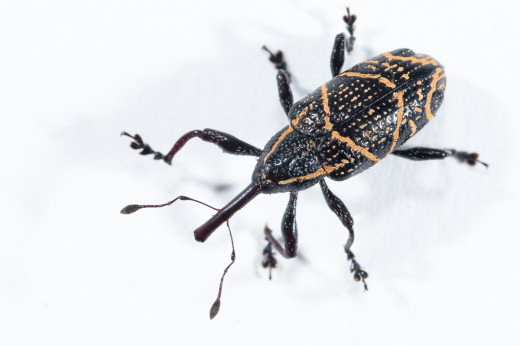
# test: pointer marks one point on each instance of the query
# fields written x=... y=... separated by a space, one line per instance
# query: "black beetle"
x=342 y=128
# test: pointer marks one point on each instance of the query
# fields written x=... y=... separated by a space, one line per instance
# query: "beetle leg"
x=227 y=142
x=423 y=154
x=289 y=230
x=337 y=58
x=339 y=208
x=283 y=79
x=284 y=91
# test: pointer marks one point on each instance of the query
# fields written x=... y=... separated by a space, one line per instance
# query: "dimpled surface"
x=353 y=121
x=366 y=112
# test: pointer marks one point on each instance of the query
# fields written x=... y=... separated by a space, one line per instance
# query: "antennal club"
x=216 y=305
x=132 y=208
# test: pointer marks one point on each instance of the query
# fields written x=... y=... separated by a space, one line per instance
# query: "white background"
x=439 y=239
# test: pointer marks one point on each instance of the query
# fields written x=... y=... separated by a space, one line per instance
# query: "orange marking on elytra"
x=273 y=148
x=383 y=80
x=400 y=104
x=413 y=128
x=296 y=120
x=317 y=173
x=427 y=60
x=354 y=146
x=326 y=109
x=388 y=66
x=433 y=87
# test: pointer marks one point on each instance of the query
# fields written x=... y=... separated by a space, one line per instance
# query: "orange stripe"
x=414 y=128
x=273 y=148
x=400 y=104
x=354 y=146
x=316 y=174
x=296 y=120
x=424 y=61
x=326 y=109
x=433 y=87
x=319 y=172
x=367 y=75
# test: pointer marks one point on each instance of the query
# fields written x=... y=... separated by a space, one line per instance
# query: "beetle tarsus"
x=350 y=19
x=139 y=144
x=278 y=61
x=467 y=157
x=269 y=261
x=358 y=272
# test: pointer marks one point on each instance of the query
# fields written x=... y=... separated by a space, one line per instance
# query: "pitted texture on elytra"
x=366 y=112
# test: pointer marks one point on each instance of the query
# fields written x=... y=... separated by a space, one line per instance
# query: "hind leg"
x=230 y=144
x=339 y=208
x=423 y=154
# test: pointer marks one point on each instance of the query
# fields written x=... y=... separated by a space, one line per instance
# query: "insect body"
x=353 y=121
x=342 y=128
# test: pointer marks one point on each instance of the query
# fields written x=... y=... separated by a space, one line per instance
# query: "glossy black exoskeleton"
x=342 y=128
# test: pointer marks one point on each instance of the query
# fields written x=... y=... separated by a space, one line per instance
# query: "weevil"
x=342 y=128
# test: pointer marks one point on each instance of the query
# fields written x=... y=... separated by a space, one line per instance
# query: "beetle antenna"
x=216 y=305
x=132 y=208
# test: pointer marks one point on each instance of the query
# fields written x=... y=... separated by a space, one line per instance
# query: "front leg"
x=339 y=208
x=423 y=154
x=230 y=144
x=289 y=230
x=283 y=79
